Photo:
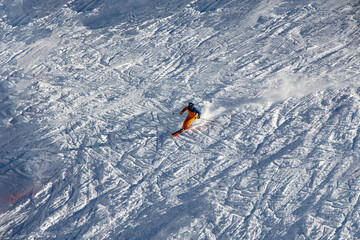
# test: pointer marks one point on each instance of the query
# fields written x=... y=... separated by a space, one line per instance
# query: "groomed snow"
x=90 y=92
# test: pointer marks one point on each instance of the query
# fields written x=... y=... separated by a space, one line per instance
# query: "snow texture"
x=90 y=92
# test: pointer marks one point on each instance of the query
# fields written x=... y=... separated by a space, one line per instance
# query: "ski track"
x=88 y=103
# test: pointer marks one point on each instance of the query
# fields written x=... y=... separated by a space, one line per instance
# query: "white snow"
x=91 y=90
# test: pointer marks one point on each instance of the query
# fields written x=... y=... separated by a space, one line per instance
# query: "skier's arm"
x=182 y=111
x=198 y=112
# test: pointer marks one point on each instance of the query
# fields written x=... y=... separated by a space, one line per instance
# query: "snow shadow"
x=94 y=14
x=27 y=158
x=25 y=163
x=99 y=14
x=22 y=12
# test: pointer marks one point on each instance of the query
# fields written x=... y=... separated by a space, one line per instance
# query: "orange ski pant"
x=188 y=121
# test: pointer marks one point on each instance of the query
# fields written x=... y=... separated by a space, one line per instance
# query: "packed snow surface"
x=90 y=91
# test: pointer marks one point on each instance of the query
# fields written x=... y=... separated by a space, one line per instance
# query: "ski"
x=177 y=132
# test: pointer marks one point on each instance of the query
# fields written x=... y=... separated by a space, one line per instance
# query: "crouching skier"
x=193 y=113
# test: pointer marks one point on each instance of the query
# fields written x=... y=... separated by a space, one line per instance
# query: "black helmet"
x=190 y=104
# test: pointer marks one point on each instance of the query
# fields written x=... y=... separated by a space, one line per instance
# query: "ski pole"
x=205 y=119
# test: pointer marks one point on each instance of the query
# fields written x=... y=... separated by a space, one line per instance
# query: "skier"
x=193 y=114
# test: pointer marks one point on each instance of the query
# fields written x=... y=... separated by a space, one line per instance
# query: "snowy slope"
x=88 y=92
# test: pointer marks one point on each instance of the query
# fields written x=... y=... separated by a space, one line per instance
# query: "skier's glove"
x=198 y=117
